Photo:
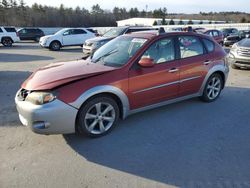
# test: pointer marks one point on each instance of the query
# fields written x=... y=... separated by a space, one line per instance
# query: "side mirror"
x=146 y=62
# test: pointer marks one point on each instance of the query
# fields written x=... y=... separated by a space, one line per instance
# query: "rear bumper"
x=16 y=39
x=52 y=118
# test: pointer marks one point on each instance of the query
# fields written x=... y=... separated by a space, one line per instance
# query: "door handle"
x=173 y=70
x=207 y=62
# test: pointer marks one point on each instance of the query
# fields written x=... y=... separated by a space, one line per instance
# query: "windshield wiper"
x=105 y=55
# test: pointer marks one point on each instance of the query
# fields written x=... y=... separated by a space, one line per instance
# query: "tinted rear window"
x=91 y=30
x=78 y=31
x=209 y=45
x=10 y=29
x=1 y=30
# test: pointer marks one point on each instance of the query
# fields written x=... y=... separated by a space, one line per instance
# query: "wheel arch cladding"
x=117 y=94
x=220 y=69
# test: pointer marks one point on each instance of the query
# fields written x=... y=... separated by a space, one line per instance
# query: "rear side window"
x=215 y=34
x=10 y=29
x=1 y=30
x=209 y=45
x=79 y=31
x=91 y=30
x=190 y=46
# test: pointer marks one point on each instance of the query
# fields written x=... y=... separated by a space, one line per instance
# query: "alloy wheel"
x=99 y=118
x=7 y=42
x=213 y=88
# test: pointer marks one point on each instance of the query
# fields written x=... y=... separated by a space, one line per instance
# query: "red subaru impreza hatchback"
x=131 y=73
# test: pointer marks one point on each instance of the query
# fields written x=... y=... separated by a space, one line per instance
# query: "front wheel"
x=97 y=116
x=55 y=46
x=212 y=88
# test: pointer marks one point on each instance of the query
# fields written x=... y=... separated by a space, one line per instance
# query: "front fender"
x=103 y=89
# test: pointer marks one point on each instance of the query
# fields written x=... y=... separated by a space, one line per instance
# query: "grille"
x=244 y=52
x=23 y=94
x=243 y=63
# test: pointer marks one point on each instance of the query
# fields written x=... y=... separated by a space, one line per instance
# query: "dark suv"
x=229 y=31
x=30 y=34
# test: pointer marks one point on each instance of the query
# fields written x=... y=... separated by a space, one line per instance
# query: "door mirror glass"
x=146 y=62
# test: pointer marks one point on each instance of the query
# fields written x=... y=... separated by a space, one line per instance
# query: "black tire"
x=83 y=124
x=207 y=96
x=55 y=46
x=234 y=66
x=7 y=42
x=37 y=39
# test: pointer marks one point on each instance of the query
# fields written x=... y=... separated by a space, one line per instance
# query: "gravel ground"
x=188 y=144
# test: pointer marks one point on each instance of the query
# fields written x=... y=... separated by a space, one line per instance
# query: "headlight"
x=98 y=44
x=40 y=98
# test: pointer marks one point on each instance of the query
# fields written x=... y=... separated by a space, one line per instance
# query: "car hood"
x=232 y=37
x=45 y=37
x=99 y=39
x=57 y=74
x=244 y=43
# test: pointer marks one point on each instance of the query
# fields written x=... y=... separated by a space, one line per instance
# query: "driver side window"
x=161 y=51
x=68 y=32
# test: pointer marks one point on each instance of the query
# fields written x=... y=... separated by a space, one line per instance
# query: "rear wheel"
x=7 y=42
x=212 y=88
x=37 y=39
x=98 y=116
x=55 y=46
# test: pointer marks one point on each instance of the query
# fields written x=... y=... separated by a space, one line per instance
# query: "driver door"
x=150 y=85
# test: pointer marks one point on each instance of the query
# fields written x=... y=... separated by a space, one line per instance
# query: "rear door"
x=194 y=64
x=158 y=83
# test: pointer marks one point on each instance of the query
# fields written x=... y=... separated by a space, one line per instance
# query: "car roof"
x=153 y=33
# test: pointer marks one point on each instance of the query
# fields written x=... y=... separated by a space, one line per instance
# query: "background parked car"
x=239 y=55
x=30 y=34
x=8 y=36
x=216 y=34
x=91 y=45
x=231 y=39
x=229 y=31
x=66 y=37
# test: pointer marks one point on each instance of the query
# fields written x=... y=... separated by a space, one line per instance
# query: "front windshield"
x=113 y=32
x=61 y=31
x=118 y=51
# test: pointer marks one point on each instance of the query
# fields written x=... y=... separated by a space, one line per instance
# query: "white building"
x=151 y=21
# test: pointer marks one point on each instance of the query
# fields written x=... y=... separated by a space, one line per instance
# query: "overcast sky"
x=173 y=6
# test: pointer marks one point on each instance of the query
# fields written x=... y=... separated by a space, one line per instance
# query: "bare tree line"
x=17 y=13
